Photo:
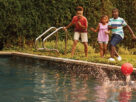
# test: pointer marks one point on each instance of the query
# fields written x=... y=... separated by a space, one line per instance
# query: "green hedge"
x=25 y=19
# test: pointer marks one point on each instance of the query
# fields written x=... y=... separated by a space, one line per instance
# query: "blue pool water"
x=29 y=82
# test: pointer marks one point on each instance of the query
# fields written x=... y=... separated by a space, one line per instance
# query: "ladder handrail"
x=50 y=36
x=43 y=34
x=52 y=33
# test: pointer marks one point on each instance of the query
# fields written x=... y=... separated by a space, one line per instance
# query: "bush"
x=29 y=18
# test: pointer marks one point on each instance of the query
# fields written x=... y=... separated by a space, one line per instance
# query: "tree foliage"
x=26 y=19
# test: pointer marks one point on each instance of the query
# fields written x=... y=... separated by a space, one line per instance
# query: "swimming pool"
x=25 y=80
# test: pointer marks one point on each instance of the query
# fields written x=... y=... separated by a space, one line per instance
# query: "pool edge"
x=64 y=60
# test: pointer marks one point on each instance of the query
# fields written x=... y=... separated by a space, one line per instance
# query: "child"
x=81 y=24
x=103 y=34
x=116 y=25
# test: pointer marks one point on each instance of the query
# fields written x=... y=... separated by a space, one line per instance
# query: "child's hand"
x=79 y=23
x=65 y=28
x=107 y=32
x=134 y=37
x=92 y=29
x=114 y=27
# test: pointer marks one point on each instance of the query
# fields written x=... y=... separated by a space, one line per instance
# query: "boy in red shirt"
x=81 y=24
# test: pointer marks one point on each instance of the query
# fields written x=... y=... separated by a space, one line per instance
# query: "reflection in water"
x=64 y=88
x=61 y=88
x=111 y=91
x=125 y=94
x=79 y=94
x=40 y=84
x=101 y=92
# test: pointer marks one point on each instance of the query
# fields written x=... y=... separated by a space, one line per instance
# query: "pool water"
x=29 y=82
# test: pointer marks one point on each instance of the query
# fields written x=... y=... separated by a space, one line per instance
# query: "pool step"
x=41 y=49
x=45 y=49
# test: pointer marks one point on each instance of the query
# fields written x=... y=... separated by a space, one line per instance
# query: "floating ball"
x=127 y=68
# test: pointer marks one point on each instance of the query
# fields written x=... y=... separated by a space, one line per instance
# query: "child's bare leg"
x=113 y=49
x=116 y=54
x=101 y=49
x=86 y=48
x=105 y=49
x=74 y=47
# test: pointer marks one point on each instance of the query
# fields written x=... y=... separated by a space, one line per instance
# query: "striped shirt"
x=119 y=23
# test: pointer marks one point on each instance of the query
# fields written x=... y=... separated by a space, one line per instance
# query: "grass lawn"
x=127 y=55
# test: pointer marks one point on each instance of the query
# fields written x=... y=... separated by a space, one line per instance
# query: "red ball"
x=127 y=68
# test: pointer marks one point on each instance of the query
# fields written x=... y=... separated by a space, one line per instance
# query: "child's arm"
x=131 y=31
x=82 y=26
x=95 y=30
x=70 y=24
x=107 y=32
x=85 y=25
x=110 y=27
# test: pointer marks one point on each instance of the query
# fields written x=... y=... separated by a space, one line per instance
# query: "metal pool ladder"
x=44 y=48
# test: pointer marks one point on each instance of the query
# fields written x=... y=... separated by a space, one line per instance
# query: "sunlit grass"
x=127 y=55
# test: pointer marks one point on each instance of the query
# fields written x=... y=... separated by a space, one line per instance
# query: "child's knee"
x=75 y=42
x=85 y=44
x=105 y=48
x=101 y=47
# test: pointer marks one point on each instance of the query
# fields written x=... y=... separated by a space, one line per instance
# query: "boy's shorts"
x=115 y=39
x=83 y=35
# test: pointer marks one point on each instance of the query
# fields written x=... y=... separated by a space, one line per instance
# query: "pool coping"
x=64 y=60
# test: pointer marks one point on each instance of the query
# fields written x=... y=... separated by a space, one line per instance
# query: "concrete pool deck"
x=75 y=65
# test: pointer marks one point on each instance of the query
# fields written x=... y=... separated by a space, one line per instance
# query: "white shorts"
x=105 y=42
x=84 y=36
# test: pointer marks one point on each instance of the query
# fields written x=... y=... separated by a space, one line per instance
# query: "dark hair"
x=103 y=17
x=79 y=8
x=115 y=9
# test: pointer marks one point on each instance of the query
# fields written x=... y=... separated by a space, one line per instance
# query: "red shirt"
x=83 y=22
